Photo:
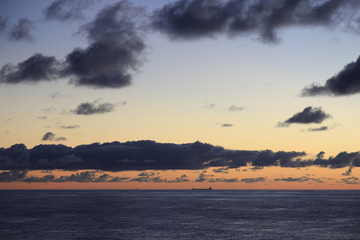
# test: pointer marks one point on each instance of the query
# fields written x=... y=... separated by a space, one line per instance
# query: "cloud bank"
x=150 y=155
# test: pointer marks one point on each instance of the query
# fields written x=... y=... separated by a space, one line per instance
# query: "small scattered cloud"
x=226 y=180
x=210 y=106
x=55 y=95
x=90 y=108
x=291 y=179
x=49 y=136
x=42 y=117
x=227 y=125
x=253 y=180
x=346 y=82
x=223 y=170
x=69 y=126
x=235 y=108
x=307 y=116
x=319 y=129
x=351 y=180
x=21 y=30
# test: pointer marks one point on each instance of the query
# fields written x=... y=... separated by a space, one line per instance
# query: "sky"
x=178 y=94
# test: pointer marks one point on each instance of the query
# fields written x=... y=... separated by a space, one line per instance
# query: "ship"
x=208 y=189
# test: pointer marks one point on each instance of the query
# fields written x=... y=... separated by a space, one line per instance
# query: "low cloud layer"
x=150 y=155
x=346 y=82
x=307 y=116
x=90 y=108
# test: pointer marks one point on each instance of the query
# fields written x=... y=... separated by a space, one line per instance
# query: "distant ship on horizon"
x=202 y=188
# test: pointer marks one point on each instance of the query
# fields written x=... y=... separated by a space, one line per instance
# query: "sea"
x=179 y=214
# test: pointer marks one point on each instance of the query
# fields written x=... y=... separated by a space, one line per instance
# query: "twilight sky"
x=180 y=94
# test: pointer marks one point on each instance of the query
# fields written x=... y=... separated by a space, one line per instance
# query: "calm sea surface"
x=186 y=214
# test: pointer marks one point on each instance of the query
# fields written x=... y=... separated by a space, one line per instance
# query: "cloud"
x=227 y=125
x=69 y=126
x=114 y=54
x=150 y=155
x=323 y=128
x=12 y=176
x=307 y=116
x=64 y=10
x=115 y=50
x=346 y=82
x=90 y=108
x=190 y=19
x=42 y=117
x=351 y=180
x=21 y=30
x=193 y=19
x=49 y=136
x=227 y=180
x=291 y=179
x=253 y=180
x=221 y=170
x=3 y=24
x=234 y=108
x=34 y=69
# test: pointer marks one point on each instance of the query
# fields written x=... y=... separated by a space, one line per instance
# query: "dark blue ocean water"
x=149 y=214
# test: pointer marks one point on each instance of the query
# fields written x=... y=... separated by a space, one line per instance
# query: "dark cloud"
x=150 y=155
x=234 y=108
x=63 y=10
x=3 y=24
x=341 y=160
x=49 y=136
x=346 y=82
x=21 y=30
x=115 y=50
x=307 y=116
x=95 y=107
x=323 y=128
x=34 y=69
x=253 y=180
x=42 y=117
x=69 y=126
x=227 y=125
x=192 y=19
x=114 y=54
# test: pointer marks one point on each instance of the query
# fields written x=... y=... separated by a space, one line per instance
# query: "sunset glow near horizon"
x=179 y=94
